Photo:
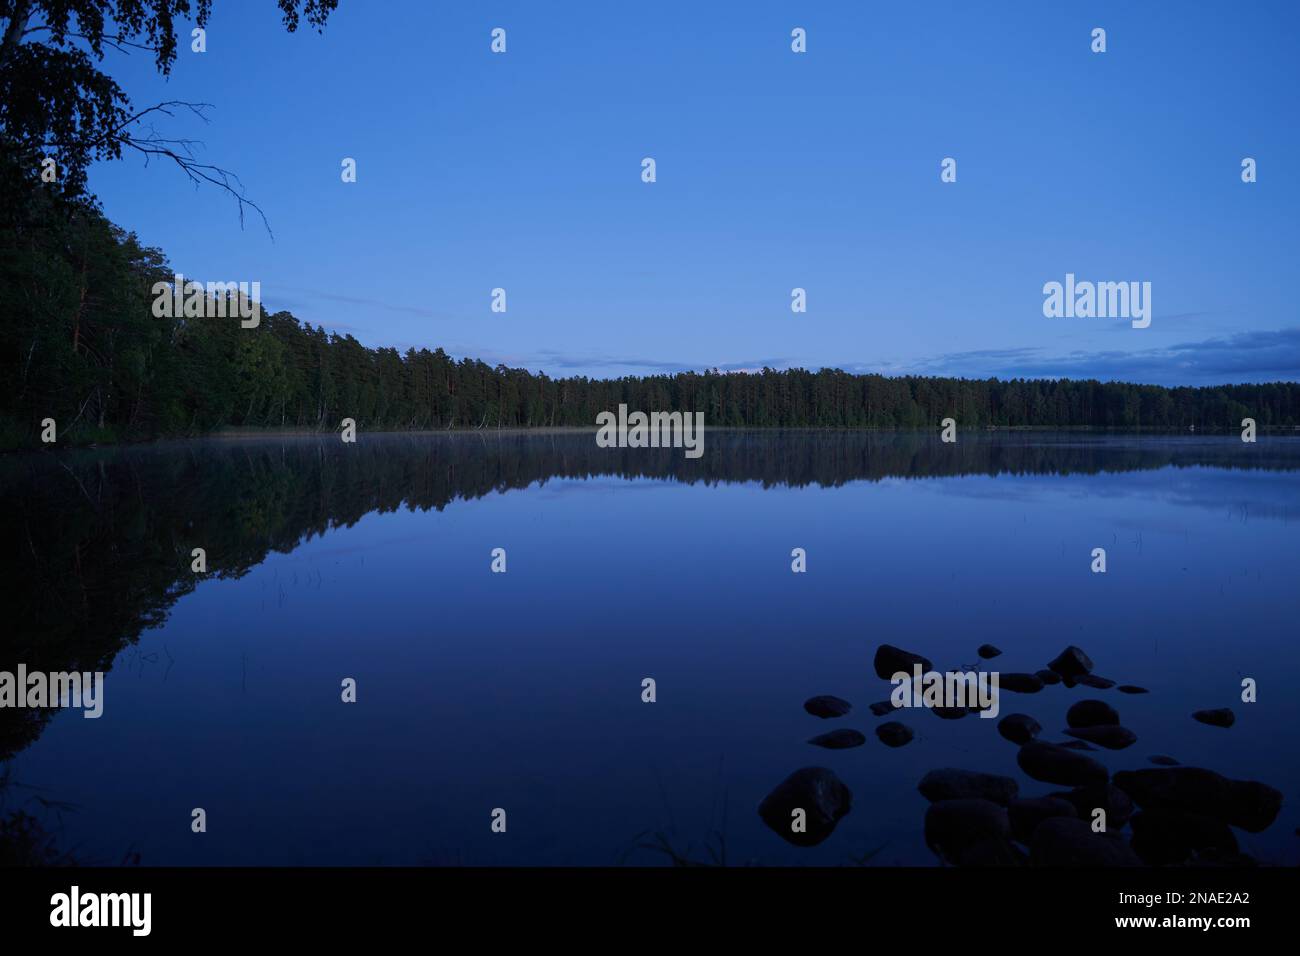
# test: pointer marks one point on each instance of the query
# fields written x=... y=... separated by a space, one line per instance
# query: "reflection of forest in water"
x=98 y=542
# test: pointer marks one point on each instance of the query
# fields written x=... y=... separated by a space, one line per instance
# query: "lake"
x=522 y=690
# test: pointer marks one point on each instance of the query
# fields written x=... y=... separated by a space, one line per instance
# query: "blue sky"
x=775 y=170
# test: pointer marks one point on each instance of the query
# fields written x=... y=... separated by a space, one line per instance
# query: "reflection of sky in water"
x=522 y=691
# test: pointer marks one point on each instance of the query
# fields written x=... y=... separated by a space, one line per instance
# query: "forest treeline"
x=80 y=344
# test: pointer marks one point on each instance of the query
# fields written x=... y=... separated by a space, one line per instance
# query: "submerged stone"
x=891 y=660
x=1105 y=796
x=1020 y=683
x=821 y=795
x=882 y=707
x=1091 y=713
x=1110 y=736
x=955 y=826
x=1162 y=760
x=894 y=734
x=949 y=783
x=827 y=706
x=1248 y=804
x=1027 y=813
x=1131 y=689
x=1052 y=763
x=1222 y=717
x=840 y=739
x=988 y=651
x=1095 y=682
x=1072 y=662
x=1019 y=728
x=1061 y=841
x=1048 y=677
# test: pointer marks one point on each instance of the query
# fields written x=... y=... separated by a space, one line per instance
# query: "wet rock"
x=1223 y=717
x=1027 y=813
x=948 y=783
x=953 y=826
x=1110 y=736
x=988 y=651
x=1095 y=682
x=1107 y=796
x=1131 y=689
x=1061 y=841
x=890 y=660
x=1048 y=677
x=1162 y=760
x=1020 y=683
x=827 y=706
x=1091 y=713
x=840 y=739
x=880 y=708
x=1167 y=838
x=1248 y=804
x=1072 y=662
x=894 y=734
x=1076 y=745
x=1052 y=763
x=819 y=793
x=1019 y=728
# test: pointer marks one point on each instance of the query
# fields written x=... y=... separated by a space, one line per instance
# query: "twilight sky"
x=775 y=170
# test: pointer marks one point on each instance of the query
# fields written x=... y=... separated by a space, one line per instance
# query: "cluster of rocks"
x=1168 y=814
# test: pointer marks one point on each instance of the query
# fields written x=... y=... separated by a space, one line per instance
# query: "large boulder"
x=1171 y=838
x=891 y=660
x=954 y=826
x=1107 y=796
x=1072 y=663
x=1248 y=804
x=816 y=791
x=949 y=783
x=1020 y=683
x=1019 y=728
x=1052 y=763
x=1062 y=841
x=1028 y=812
x=1091 y=713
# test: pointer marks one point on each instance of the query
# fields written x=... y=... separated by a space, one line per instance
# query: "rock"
x=1020 y=683
x=1108 y=797
x=891 y=660
x=840 y=739
x=1027 y=813
x=995 y=851
x=1131 y=689
x=1019 y=728
x=1091 y=713
x=815 y=790
x=1110 y=736
x=988 y=651
x=1099 y=683
x=827 y=706
x=1163 y=761
x=1055 y=764
x=880 y=708
x=1170 y=838
x=1072 y=662
x=953 y=826
x=1253 y=805
x=1076 y=745
x=1061 y=841
x=1048 y=677
x=894 y=734
x=951 y=713
x=1223 y=717
x=948 y=783
x=1248 y=804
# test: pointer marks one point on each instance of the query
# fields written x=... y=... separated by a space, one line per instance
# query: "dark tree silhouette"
x=56 y=102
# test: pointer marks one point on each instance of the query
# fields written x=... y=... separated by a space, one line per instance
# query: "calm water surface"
x=523 y=690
